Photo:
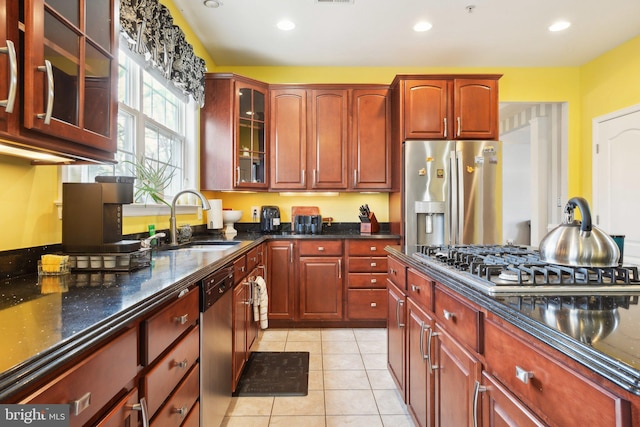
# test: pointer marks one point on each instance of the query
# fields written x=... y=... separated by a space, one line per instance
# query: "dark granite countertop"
x=615 y=354
x=45 y=323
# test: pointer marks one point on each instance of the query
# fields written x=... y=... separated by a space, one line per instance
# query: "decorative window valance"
x=148 y=27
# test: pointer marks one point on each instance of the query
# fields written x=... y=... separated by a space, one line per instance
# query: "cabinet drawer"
x=460 y=318
x=252 y=259
x=368 y=264
x=320 y=247
x=169 y=371
x=239 y=269
x=169 y=323
x=372 y=247
x=193 y=419
x=397 y=273
x=557 y=394
x=367 y=303
x=94 y=381
x=174 y=412
x=420 y=289
x=367 y=280
x=122 y=413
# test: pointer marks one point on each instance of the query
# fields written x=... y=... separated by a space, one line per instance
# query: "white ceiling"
x=497 y=33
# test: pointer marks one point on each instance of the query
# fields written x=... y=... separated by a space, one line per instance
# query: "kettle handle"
x=582 y=204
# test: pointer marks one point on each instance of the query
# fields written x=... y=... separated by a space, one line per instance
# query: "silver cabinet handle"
x=459 y=126
x=79 y=405
x=373 y=304
x=355 y=177
x=46 y=68
x=142 y=407
x=374 y=280
x=250 y=285
x=523 y=375
x=415 y=289
x=181 y=320
x=398 y=304
x=374 y=264
x=315 y=178
x=448 y=315
x=445 y=127
x=238 y=175
x=477 y=389
x=431 y=335
x=373 y=248
x=291 y=252
x=392 y=271
x=183 y=364
x=423 y=328
x=303 y=178
x=339 y=268
x=320 y=248
x=180 y=411
x=9 y=103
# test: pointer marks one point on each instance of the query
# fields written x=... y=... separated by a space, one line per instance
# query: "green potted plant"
x=152 y=179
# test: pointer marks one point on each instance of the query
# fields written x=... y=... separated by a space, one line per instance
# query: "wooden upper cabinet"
x=70 y=71
x=329 y=137
x=234 y=148
x=370 y=139
x=8 y=61
x=288 y=138
x=426 y=107
x=475 y=108
x=449 y=107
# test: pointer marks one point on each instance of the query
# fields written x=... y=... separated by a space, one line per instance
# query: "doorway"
x=616 y=148
x=534 y=138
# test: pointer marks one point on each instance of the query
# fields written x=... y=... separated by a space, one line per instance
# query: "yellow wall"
x=606 y=84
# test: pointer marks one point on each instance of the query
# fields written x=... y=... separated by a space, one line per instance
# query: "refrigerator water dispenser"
x=430 y=223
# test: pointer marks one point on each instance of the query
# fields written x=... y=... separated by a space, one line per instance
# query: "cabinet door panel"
x=476 y=108
x=371 y=139
x=328 y=145
x=501 y=408
x=426 y=109
x=280 y=276
x=396 y=334
x=420 y=382
x=321 y=289
x=288 y=138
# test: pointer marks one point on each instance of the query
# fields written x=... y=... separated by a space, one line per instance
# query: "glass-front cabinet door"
x=251 y=142
x=70 y=70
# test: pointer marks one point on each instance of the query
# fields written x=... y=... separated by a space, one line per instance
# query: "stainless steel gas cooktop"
x=517 y=270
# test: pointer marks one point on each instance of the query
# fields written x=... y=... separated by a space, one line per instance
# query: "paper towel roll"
x=214 y=215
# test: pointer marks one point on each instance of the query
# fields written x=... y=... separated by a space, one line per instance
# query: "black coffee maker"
x=270 y=219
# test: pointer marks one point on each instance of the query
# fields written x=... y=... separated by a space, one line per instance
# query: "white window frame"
x=188 y=118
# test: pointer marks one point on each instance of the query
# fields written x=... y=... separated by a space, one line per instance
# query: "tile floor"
x=349 y=384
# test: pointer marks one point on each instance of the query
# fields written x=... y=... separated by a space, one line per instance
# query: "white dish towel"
x=260 y=302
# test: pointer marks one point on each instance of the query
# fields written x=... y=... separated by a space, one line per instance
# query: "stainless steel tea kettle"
x=579 y=244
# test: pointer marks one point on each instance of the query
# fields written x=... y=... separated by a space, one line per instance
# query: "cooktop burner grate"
x=508 y=266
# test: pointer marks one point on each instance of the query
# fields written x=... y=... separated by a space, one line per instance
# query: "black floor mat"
x=275 y=373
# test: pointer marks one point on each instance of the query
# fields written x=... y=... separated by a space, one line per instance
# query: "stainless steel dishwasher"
x=216 y=346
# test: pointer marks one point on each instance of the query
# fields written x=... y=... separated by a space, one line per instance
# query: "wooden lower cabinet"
x=124 y=413
x=421 y=378
x=366 y=304
x=396 y=336
x=174 y=412
x=500 y=408
x=321 y=288
x=281 y=279
x=457 y=371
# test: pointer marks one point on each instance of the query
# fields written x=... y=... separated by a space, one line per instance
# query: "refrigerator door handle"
x=453 y=199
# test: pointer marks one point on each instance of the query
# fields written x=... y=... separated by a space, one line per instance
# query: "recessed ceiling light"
x=212 y=3
x=422 y=26
x=559 y=26
x=286 y=25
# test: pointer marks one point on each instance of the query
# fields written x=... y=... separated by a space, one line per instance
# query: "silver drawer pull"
x=373 y=248
x=320 y=248
x=181 y=320
x=374 y=280
x=448 y=315
x=9 y=103
x=477 y=389
x=523 y=375
x=181 y=365
x=415 y=288
x=142 y=407
x=180 y=411
x=77 y=406
x=48 y=70
x=373 y=304
x=373 y=264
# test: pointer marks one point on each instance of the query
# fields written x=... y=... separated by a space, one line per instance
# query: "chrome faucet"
x=172 y=219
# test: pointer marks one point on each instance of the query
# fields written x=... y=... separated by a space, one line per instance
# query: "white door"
x=616 y=178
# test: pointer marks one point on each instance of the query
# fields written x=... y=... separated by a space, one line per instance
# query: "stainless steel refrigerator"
x=452 y=193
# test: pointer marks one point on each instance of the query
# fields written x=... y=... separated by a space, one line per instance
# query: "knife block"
x=370 y=226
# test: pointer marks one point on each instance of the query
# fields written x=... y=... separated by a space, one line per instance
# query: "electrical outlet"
x=255 y=213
